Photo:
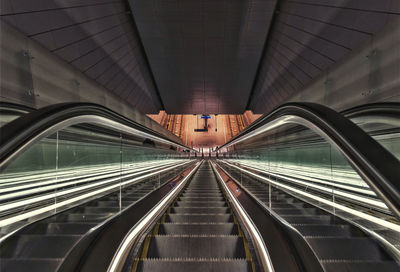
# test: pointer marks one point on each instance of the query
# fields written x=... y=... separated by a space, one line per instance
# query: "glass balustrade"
x=79 y=164
x=290 y=166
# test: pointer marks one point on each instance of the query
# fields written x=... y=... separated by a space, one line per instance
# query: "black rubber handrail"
x=8 y=106
x=386 y=108
x=16 y=133
x=382 y=108
x=378 y=167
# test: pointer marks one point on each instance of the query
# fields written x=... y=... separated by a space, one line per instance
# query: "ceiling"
x=201 y=56
x=308 y=37
x=204 y=54
x=98 y=37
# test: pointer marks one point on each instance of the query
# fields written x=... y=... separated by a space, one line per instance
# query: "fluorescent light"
x=368 y=217
x=26 y=215
x=374 y=202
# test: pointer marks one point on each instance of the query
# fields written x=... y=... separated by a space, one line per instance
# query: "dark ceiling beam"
x=264 y=51
x=147 y=63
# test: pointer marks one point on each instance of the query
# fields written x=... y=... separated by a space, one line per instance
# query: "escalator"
x=338 y=190
x=339 y=245
x=64 y=183
x=112 y=174
x=199 y=232
x=42 y=246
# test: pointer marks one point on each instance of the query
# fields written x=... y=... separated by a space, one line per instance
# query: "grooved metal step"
x=202 y=193
x=201 y=210
x=198 y=232
x=220 y=265
x=197 y=228
x=201 y=203
x=200 y=198
x=199 y=218
x=202 y=190
x=196 y=247
x=338 y=245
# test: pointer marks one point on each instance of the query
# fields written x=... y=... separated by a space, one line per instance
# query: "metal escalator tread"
x=43 y=245
x=338 y=245
x=198 y=233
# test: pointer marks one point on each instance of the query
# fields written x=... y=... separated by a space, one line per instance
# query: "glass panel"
x=385 y=129
x=90 y=163
x=32 y=173
x=291 y=170
x=144 y=161
x=106 y=170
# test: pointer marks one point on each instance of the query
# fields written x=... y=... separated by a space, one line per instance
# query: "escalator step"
x=199 y=218
x=197 y=210
x=203 y=190
x=198 y=233
x=220 y=265
x=196 y=247
x=197 y=198
x=201 y=204
x=189 y=194
x=197 y=228
x=204 y=186
x=338 y=245
x=43 y=245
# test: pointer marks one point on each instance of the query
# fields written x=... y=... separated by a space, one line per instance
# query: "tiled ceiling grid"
x=204 y=54
x=308 y=37
x=95 y=36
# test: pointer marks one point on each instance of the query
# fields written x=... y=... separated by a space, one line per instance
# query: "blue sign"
x=205 y=117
